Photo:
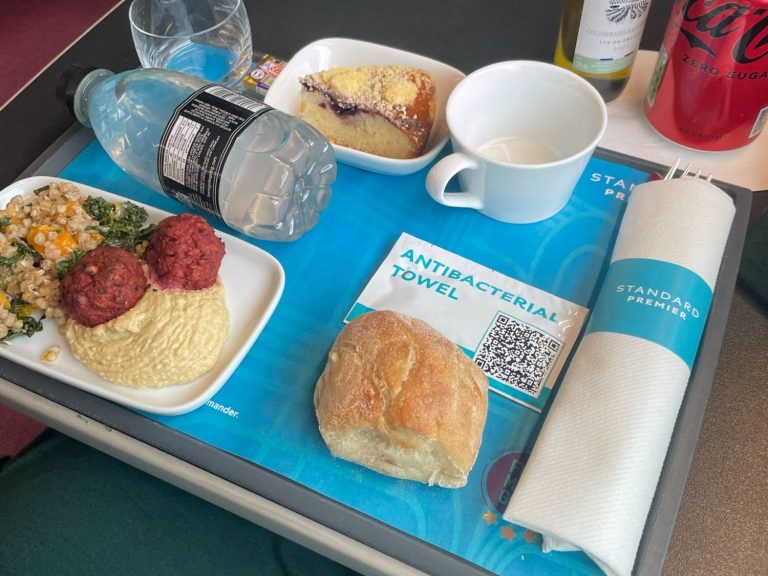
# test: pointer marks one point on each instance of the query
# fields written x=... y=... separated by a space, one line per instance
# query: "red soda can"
x=710 y=87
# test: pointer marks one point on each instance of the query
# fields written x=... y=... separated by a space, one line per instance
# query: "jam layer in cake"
x=384 y=110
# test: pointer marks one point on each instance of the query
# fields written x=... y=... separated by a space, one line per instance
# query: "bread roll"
x=400 y=398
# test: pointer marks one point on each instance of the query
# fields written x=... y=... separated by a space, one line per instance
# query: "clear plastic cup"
x=206 y=38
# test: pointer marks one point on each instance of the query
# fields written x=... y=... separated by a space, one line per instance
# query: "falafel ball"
x=184 y=253
x=102 y=285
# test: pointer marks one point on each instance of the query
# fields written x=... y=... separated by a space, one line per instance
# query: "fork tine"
x=686 y=172
x=672 y=170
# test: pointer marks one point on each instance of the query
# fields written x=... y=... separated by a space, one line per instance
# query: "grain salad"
x=41 y=236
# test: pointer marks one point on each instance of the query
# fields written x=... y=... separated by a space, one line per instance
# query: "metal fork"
x=686 y=172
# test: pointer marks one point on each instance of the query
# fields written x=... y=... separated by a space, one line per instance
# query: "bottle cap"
x=69 y=81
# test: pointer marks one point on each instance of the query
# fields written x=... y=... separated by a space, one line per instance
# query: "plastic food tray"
x=275 y=450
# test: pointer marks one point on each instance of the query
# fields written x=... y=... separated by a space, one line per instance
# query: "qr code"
x=517 y=354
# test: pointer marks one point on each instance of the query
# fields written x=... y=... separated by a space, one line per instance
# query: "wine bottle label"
x=609 y=35
x=197 y=141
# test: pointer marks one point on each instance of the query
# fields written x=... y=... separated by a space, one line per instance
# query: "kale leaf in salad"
x=121 y=225
x=22 y=249
x=31 y=324
x=63 y=266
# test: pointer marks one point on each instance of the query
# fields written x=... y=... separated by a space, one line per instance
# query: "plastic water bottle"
x=261 y=171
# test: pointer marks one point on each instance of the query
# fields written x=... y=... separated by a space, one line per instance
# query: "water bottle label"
x=197 y=141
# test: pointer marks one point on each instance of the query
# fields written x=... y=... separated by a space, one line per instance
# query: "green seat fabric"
x=68 y=509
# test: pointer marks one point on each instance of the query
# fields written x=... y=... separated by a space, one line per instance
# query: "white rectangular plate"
x=285 y=93
x=253 y=283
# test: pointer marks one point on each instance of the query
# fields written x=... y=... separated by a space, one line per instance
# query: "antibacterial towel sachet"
x=591 y=477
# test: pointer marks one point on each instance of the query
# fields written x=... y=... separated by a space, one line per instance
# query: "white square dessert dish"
x=285 y=93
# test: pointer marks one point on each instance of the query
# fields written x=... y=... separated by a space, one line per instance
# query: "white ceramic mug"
x=522 y=134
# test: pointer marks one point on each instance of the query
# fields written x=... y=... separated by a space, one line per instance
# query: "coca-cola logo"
x=706 y=24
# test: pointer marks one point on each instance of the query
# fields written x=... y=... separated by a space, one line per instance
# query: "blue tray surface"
x=271 y=391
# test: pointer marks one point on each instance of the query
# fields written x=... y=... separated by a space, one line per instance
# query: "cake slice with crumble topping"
x=384 y=110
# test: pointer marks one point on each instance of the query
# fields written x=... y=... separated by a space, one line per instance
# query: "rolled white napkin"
x=591 y=477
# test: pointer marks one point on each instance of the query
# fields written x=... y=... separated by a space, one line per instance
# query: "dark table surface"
x=721 y=527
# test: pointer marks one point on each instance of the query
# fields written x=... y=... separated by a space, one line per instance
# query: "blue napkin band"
x=655 y=300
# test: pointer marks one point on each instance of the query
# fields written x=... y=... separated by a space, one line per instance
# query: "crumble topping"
x=387 y=90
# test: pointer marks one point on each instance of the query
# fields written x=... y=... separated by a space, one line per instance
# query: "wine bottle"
x=598 y=40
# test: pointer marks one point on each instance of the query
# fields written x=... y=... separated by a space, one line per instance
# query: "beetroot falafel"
x=184 y=253
x=104 y=284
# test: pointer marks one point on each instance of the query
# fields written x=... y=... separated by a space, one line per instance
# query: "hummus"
x=168 y=337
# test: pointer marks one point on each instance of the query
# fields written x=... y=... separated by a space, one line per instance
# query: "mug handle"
x=441 y=173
